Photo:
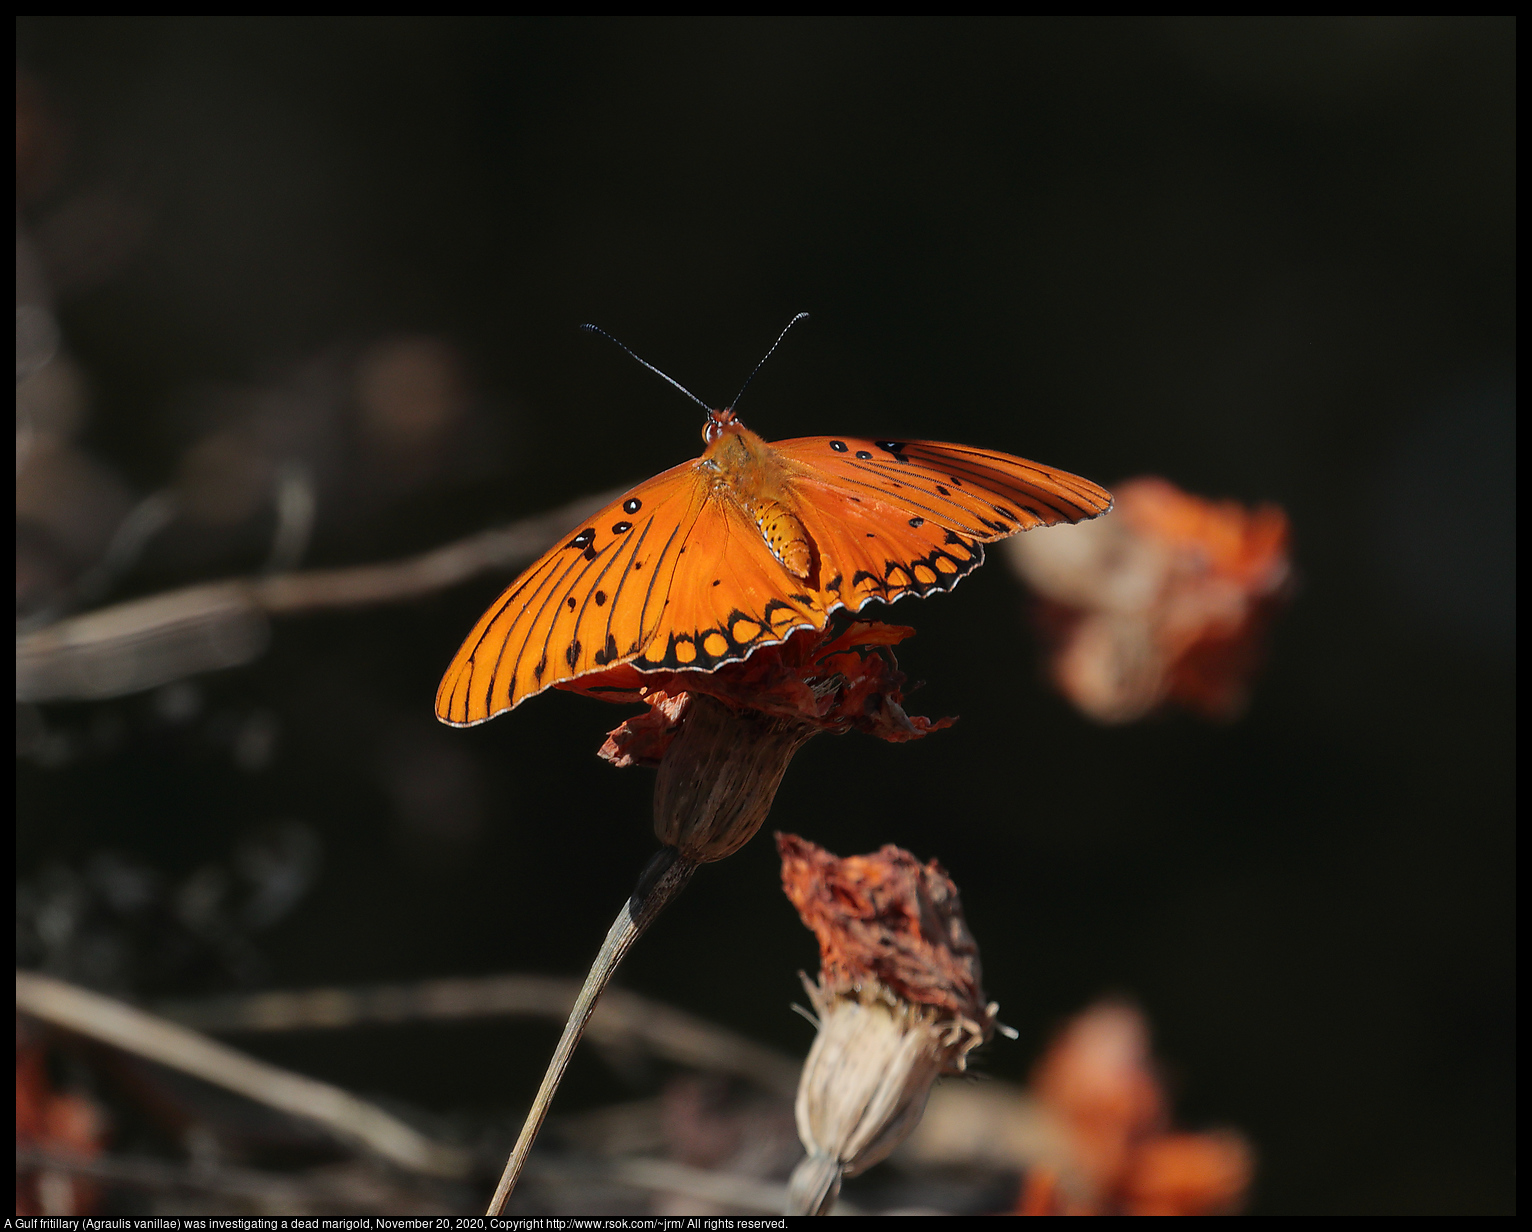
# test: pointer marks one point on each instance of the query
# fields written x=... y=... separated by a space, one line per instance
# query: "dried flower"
x=1167 y=600
x=899 y=1003
x=1098 y=1081
x=58 y=1123
x=723 y=739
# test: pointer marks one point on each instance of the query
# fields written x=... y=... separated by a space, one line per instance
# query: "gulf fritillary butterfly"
x=744 y=546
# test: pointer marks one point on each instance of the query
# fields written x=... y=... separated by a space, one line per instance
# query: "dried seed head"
x=898 y=1000
x=719 y=776
x=865 y=1084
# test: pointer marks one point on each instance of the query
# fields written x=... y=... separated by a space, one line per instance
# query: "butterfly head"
x=719 y=422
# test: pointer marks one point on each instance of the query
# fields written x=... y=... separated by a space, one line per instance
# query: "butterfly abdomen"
x=785 y=536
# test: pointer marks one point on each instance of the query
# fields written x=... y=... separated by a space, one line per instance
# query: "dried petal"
x=887 y=919
x=643 y=739
x=53 y=1121
x=833 y=683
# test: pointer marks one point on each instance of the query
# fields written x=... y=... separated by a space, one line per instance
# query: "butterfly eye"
x=838 y=446
x=632 y=505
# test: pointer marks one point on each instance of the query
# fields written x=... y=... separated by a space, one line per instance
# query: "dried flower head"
x=1165 y=601
x=899 y=1002
x=1098 y=1081
x=56 y=1122
x=723 y=739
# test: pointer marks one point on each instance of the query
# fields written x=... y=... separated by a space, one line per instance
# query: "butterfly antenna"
x=596 y=329
x=764 y=358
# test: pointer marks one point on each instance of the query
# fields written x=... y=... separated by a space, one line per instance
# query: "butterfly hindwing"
x=870 y=549
x=729 y=595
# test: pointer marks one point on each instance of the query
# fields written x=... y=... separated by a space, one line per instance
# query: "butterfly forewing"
x=974 y=492
x=892 y=518
x=593 y=599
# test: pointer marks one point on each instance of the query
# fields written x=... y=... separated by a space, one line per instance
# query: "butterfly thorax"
x=747 y=472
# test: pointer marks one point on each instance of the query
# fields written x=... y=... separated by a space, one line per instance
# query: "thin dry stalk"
x=129 y=647
x=132 y=1030
x=622 y=1018
x=665 y=877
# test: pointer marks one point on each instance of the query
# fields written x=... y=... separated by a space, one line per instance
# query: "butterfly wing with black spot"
x=595 y=599
x=728 y=595
x=891 y=518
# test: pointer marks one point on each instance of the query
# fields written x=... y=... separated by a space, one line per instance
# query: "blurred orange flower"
x=58 y=1123
x=1098 y=1080
x=1164 y=601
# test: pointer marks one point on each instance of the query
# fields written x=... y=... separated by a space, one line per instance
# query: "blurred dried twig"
x=130 y=647
x=327 y=1189
x=746 y=1193
x=621 y=1018
x=320 y=1190
x=990 y=1123
x=343 y=1114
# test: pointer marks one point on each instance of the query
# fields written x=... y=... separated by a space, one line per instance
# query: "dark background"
x=1267 y=259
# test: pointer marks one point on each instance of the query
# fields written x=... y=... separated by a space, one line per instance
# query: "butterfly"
x=743 y=547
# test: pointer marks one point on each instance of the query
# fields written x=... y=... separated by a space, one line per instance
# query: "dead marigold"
x=1165 y=601
x=1098 y=1081
x=899 y=1002
x=723 y=739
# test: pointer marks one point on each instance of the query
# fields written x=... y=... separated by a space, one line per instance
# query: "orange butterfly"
x=744 y=546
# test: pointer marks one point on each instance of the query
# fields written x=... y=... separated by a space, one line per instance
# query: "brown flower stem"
x=664 y=878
